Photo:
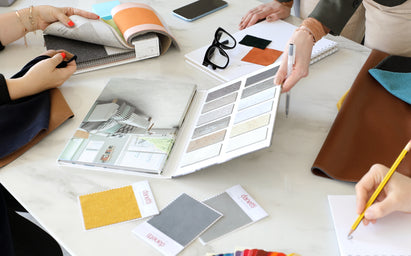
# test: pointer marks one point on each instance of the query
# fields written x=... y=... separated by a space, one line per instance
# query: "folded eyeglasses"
x=216 y=55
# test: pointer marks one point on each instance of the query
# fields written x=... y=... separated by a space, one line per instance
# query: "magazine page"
x=131 y=126
x=87 y=30
x=135 y=19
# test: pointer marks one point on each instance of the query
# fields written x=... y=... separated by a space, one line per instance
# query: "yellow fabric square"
x=109 y=207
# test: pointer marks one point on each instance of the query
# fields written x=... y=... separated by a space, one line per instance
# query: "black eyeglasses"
x=215 y=54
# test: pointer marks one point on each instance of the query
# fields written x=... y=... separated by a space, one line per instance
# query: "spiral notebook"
x=389 y=236
x=278 y=32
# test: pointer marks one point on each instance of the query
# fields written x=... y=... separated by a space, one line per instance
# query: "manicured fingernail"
x=98 y=17
x=70 y=23
x=63 y=54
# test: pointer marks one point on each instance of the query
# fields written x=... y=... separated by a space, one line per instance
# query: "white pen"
x=290 y=64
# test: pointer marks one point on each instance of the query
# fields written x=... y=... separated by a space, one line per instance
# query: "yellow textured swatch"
x=109 y=207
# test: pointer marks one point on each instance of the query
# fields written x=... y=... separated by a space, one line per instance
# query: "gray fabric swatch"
x=184 y=219
x=233 y=217
x=223 y=91
x=262 y=76
x=268 y=84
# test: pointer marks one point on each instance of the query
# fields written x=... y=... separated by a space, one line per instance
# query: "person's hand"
x=42 y=76
x=271 y=11
x=46 y=14
x=303 y=45
x=396 y=195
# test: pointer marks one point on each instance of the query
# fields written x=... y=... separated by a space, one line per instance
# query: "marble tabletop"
x=278 y=177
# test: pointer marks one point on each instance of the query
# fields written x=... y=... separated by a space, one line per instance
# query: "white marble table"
x=279 y=177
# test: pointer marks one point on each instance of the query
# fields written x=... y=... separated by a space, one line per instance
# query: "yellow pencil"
x=380 y=187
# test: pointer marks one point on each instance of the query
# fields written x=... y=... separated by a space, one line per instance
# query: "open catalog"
x=134 y=33
x=169 y=129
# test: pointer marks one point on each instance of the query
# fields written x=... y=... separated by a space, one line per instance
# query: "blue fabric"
x=22 y=119
x=398 y=84
x=21 y=122
x=394 y=74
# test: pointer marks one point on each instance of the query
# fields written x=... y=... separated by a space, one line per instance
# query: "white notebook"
x=279 y=32
x=390 y=236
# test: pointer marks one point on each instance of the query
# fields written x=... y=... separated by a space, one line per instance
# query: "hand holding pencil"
x=391 y=196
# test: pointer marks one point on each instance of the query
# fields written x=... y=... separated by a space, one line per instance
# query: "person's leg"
x=6 y=244
x=24 y=236
x=11 y=202
x=29 y=239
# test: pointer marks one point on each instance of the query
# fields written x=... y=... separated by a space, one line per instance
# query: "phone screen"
x=199 y=9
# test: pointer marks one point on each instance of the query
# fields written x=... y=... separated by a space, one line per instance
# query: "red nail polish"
x=70 y=23
x=63 y=54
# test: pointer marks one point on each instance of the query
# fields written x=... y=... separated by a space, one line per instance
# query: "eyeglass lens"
x=217 y=56
x=225 y=40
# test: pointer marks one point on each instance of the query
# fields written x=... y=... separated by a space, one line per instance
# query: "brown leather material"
x=373 y=126
x=59 y=113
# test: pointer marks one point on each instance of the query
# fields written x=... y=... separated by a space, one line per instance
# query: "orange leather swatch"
x=372 y=126
x=262 y=57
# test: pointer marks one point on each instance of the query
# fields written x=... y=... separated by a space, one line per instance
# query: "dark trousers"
x=19 y=236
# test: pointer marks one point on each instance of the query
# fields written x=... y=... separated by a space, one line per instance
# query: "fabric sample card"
x=262 y=57
x=254 y=41
x=238 y=208
x=177 y=225
x=117 y=205
x=104 y=9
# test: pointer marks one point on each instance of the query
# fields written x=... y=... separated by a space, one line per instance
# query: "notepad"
x=279 y=32
x=389 y=236
x=117 y=205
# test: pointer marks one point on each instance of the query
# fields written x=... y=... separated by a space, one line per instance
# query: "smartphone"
x=199 y=9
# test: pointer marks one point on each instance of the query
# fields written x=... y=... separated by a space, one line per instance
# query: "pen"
x=290 y=63
x=380 y=187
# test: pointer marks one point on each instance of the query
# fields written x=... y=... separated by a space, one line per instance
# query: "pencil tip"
x=349 y=236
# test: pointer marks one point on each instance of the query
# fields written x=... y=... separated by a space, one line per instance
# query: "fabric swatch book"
x=277 y=32
x=134 y=33
x=117 y=205
x=390 y=235
x=238 y=208
x=252 y=252
x=177 y=225
x=169 y=129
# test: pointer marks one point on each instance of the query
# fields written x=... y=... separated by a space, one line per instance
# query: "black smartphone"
x=199 y=9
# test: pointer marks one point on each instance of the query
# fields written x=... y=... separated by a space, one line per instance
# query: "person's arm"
x=303 y=38
x=396 y=195
x=329 y=16
x=334 y=14
x=271 y=11
x=42 y=76
x=15 y=25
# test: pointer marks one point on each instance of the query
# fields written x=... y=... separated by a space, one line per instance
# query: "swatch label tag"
x=157 y=239
x=246 y=203
x=145 y=199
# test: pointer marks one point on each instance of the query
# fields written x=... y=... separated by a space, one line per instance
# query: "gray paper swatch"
x=184 y=219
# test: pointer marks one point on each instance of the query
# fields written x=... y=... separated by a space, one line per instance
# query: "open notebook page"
x=391 y=235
